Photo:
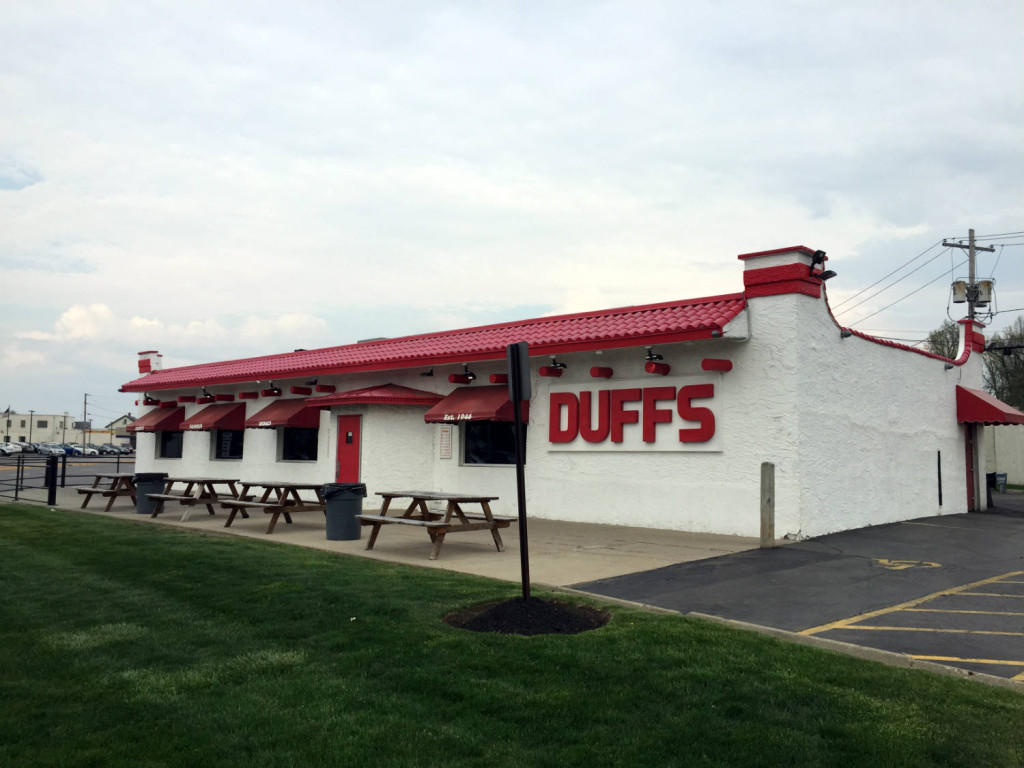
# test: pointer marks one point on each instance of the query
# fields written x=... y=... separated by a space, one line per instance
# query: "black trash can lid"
x=334 y=489
x=144 y=476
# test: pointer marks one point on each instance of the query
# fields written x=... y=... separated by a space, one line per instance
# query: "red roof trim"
x=976 y=407
x=662 y=323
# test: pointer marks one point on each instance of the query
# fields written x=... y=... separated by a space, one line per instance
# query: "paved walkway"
x=561 y=553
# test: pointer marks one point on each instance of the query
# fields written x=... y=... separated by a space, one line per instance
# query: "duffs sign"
x=673 y=414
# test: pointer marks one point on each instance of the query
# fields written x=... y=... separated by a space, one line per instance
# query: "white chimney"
x=150 y=361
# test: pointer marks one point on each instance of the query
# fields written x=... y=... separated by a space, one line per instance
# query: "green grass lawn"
x=123 y=643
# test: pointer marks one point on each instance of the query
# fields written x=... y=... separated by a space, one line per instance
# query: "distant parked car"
x=85 y=450
x=109 y=449
x=27 y=447
x=9 y=449
x=70 y=449
x=49 y=449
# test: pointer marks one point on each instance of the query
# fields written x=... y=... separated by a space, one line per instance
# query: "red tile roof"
x=605 y=329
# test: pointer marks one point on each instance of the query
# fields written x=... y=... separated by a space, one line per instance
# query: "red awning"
x=976 y=407
x=159 y=420
x=476 y=404
x=384 y=394
x=285 y=413
x=223 y=416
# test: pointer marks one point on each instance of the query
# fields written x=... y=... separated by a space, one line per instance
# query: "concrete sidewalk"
x=561 y=553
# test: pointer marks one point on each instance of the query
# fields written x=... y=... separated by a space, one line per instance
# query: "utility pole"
x=972 y=285
x=85 y=406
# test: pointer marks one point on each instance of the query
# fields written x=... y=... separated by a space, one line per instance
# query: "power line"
x=915 y=269
x=997 y=236
x=904 y=297
x=851 y=298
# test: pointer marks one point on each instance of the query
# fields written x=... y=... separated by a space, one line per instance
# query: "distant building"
x=34 y=427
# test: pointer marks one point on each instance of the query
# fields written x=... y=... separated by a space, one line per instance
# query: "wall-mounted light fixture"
x=205 y=397
x=948 y=366
x=428 y=373
x=465 y=377
x=845 y=333
x=816 y=259
x=554 y=370
x=653 y=365
x=828 y=274
x=271 y=391
x=313 y=382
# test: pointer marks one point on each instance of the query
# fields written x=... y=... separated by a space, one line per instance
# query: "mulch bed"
x=529 y=617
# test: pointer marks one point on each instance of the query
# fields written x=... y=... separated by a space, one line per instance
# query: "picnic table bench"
x=121 y=484
x=278 y=499
x=197 y=491
x=438 y=524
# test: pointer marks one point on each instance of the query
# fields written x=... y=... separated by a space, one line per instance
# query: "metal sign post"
x=519 y=389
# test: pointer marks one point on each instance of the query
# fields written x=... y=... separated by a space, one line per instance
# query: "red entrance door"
x=348 y=449
x=969 y=451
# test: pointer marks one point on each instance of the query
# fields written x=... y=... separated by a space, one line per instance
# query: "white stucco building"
x=657 y=415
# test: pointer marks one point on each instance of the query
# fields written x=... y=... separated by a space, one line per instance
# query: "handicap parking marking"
x=902 y=565
x=972 y=612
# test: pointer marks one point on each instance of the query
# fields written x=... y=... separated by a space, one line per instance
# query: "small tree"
x=944 y=340
x=1004 y=368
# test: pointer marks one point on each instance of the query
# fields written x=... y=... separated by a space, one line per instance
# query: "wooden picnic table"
x=118 y=484
x=197 y=490
x=276 y=499
x=454 y=519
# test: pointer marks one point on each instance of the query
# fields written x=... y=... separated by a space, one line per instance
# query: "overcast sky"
x=227 y=179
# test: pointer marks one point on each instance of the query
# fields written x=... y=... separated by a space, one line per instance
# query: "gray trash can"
x=344 y=501
x=145 y=483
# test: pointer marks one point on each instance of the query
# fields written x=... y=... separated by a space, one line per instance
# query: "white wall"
x=1004 y=452
x=853 y=427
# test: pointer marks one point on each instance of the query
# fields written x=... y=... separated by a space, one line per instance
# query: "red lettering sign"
x=706 y=430
x=610 y=416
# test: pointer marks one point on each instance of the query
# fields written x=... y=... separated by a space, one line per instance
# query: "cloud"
x=13 y=356
x=98 y=324
x=15 y=176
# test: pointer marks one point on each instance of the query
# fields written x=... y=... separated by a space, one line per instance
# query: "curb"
x=889 y=658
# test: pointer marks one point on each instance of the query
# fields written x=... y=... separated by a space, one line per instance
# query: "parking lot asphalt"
x=948 y=589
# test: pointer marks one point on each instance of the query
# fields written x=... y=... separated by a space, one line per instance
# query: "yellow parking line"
x=981 y=613
x=988 y=594
x=902 y=606
x=929 y=629
x=1001 y=662
x=936 y=525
